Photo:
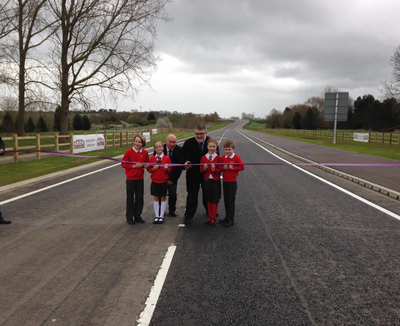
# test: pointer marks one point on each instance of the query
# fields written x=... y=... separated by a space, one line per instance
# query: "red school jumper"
x=134 y=157
x=212 y=185
x=160 y=175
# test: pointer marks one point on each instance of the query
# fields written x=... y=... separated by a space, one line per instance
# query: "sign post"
x=336 y=108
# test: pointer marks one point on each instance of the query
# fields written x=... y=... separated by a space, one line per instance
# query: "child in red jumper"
x=212 y=183
x=159 y=177
x=134 y=169
x=230 y=173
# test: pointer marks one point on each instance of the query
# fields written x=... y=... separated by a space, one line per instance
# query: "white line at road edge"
x=150 y=305
x=327 y=182
x=54 y=185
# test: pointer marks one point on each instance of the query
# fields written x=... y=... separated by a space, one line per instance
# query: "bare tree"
x=316 y=102
x=103 y=47
x=23 y=32
x=391 y=88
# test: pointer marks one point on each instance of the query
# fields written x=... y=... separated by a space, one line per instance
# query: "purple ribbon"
x=174 y=164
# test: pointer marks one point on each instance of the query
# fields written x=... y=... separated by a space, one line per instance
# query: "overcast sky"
x=234 y=56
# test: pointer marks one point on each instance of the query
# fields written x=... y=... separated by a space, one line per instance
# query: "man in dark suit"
x=174 y=152
x=193 y=149
x=2 y=148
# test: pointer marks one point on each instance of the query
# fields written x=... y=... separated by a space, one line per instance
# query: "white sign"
x=363 y=137
x=87 y=143
x=147 y=136
x=154 y=131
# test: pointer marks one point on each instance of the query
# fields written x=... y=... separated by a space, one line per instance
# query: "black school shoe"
x=139 y=220
x=228 y=223
x=3 y=221
x=130 y=221
x=173 y=214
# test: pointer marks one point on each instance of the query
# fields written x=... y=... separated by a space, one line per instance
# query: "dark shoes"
x=228 y=223
x=212 y=222
x=223 y=220
x=139 y=220
x=173 y=214
x=3 y=221
x=130 y=221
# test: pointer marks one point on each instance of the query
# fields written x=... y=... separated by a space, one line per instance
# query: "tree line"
x=40 y=121
x=365 y=113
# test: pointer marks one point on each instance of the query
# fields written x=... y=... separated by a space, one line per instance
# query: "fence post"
x=71 y=143
x=38 y=146
x=113 y=140
x=105 y=139
x=15 y=137
x=57 y=141
x=120 y=139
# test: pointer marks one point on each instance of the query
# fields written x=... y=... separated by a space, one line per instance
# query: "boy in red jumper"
x=212 y=183
x=134 y=169
x=230 y=173
x=159 y=177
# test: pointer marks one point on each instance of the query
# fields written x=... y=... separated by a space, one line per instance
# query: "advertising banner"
x=87 y=143
x=363 y=137
x=147 y=136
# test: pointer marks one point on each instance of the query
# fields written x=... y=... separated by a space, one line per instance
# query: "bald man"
x=174 y=152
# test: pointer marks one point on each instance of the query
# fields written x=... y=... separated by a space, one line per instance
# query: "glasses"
x=200 y=133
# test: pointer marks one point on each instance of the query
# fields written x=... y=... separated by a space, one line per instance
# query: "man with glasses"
x=193 y=149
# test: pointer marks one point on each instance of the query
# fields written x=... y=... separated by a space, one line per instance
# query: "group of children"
x=212 y=166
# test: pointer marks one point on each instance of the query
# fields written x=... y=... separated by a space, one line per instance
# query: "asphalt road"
x=302 y=252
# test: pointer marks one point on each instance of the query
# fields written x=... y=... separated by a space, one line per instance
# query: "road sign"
x=339 y=101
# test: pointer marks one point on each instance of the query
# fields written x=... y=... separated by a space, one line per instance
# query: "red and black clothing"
x=134 y=181
x=212 y=183
x=229 y=184
x=159 y=176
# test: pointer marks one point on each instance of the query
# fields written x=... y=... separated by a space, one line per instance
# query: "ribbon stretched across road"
x=174 y=164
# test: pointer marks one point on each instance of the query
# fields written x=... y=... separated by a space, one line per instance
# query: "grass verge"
x=25 y=170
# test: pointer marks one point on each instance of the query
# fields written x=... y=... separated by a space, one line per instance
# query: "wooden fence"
x=63 y=143
x=385 y=138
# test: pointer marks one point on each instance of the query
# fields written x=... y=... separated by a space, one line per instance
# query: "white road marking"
x=151 y=302
x=328 y=182
x=54 y=185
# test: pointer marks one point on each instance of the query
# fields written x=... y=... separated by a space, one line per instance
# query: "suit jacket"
x=176 y=158
x=191 y=152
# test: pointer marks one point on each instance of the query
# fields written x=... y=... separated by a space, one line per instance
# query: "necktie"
x=158 y=159
x=170 y=154
x=201 y=147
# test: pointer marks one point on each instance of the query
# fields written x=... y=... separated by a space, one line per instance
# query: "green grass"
x=16 y=172
x=371 y=148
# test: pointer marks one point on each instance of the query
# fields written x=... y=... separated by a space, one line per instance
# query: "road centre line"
x=328 y=182
x=151 y=302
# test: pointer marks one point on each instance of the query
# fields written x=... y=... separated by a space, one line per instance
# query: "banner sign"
x=87 y=143
x=363 y=137
x=154 y=131
x=147 y=136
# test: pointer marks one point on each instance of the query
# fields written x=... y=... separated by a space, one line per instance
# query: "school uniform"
x=229 y=184
x=212 y=184
x=134 y=183
x=160 y=176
